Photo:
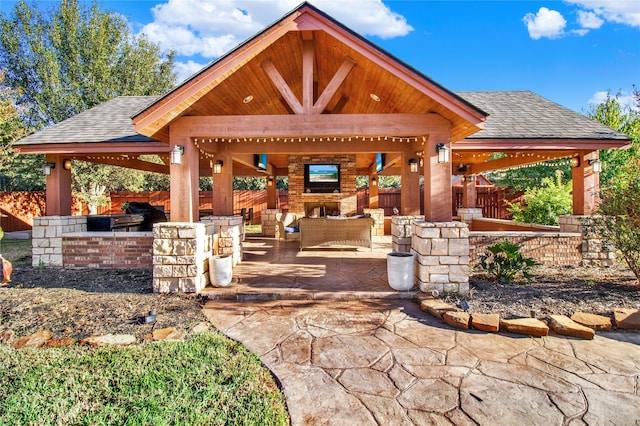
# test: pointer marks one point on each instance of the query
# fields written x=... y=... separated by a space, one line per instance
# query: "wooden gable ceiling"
x=225 y=87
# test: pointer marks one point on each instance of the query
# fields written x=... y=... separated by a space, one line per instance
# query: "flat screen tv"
x=260 y=161
x=322 y=178
x=380 y=160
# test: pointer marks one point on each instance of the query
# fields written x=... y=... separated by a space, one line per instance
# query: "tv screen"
x=260 y=161
x=324 y=173
x=380 y=159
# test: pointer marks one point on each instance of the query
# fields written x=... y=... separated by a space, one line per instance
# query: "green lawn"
x=18 y=252
x=207 y=380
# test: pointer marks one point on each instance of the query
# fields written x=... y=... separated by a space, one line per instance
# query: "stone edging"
x=581 y=325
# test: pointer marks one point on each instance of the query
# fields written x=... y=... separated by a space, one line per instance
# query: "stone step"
x=285 y=294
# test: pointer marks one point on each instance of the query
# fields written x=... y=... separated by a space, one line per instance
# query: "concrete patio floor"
x=380 y=360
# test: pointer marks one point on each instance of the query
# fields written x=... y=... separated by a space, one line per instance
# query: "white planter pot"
x=400 y=270
x=221 y=270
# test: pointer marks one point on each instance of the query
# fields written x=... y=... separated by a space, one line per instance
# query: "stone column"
x=442 y=257
x=401 y=232
x=378 y=220
x=46 y=238
x=467 y=214
x=181 y=254
x=230 y=235
x=595 y=250
x=268 y=220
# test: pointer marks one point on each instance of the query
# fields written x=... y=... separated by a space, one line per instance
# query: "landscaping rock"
x=34 y=341
x=200 y=328
x=6 y=335
x=597 y=322
x=436 y=307
x=169 y=333
x=60 y=342
x=486 y=322
x=109 y=339
x=627 y=318
x=528 y=326
x=564 y=325
x=457 y=319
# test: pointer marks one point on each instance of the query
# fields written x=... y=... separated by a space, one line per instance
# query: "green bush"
x=505 y=262
x=544 y=204
x=620 y=207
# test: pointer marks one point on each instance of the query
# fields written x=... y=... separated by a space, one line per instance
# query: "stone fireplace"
x=303 y=204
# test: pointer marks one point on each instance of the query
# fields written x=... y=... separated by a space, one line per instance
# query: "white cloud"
x=589 y=20
x=210 y=28
x=545 y=23
x=186 y=69
x=618 y=11
x=626 y=100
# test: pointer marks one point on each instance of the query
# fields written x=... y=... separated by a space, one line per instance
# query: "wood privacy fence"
x=21 y=207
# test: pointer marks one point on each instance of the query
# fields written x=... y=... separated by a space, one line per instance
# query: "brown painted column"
x=410 y=191
x=223 y=186
x=184 y=185
x=437 y=177
x=271 y=192
x=374 y=181
x=586 y=185
x=469 y=194
x=58 y=188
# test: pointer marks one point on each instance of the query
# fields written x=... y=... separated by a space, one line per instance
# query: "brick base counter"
x=107 y=250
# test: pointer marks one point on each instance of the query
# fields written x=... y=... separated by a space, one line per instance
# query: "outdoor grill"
x=115 y=222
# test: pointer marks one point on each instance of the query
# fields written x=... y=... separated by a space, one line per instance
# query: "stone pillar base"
x=401 y=231
x=467 y=214
x=268 y=221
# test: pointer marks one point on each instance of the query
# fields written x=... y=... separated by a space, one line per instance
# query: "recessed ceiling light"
x=248 y=99
x=374 y=97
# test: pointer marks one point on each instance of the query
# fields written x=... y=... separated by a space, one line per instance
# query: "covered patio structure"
x=309 y=91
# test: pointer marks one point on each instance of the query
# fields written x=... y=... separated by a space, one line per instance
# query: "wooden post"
x=586 y=185
x=223 y=186
x=469 y=194
x=58 y=188
x=184 y=185
x=410 y=191
x=437 y=177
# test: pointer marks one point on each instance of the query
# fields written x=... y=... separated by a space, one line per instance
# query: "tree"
x=624 y=119
x=620 y=209
x=544 y=204
x=70 y=58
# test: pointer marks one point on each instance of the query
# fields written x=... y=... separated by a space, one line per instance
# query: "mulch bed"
x=83 y=302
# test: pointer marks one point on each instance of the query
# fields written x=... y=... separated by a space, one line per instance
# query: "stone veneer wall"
x=181 y=253
x=378 y=221
x=401 y=232
x=230 y=230
x=347 y=199
x=107 y=250
x=595 y=251
x=442 y=256
x=547 y=248
x=268 y=221
x=467 y=214
x=46 y=237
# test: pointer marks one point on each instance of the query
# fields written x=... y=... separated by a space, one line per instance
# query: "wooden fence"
x=21 y=207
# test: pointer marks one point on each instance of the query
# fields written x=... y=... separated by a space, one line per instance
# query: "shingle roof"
x=108 y=122
x=526 y=115
x=513 y=115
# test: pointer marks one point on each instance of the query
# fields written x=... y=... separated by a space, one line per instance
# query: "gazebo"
x=309 y=91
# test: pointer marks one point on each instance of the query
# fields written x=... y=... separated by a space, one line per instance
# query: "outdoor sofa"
x=335 y=232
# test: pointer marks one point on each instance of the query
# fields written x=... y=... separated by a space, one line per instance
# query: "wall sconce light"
x=374 y=181
x=176 y=154
x=66 y=164
x=443 y=153
x=217 y=167
x=413 y=165
x=596 y=164
x=270 y=181
x=47 y=167
x=575 y=162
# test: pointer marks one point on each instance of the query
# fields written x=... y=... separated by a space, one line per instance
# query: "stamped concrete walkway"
x=382 y=361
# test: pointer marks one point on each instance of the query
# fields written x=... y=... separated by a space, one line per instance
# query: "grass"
x=206 y=380
x=18 y=252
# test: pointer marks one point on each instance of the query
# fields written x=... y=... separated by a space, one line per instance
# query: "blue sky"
x=571 y=52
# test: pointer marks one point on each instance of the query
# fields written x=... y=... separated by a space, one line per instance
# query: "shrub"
x=505 y=262
x=620 y=207
x=544 y=204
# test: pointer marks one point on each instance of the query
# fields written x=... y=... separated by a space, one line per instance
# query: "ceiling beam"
x=308 y=54
x=334 y=85
x=317 y=125
x=520 y=160
x=282 y=86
